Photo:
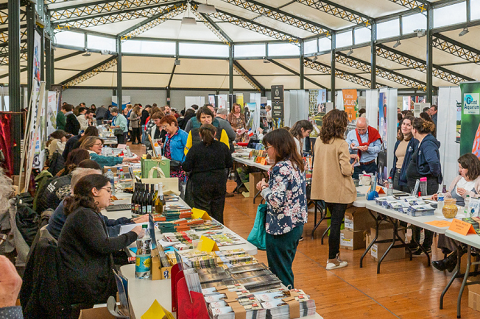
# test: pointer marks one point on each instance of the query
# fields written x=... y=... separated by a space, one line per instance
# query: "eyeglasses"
x=97 y=144
x=266 y=148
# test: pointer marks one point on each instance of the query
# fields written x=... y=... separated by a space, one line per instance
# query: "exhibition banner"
x=317 y=100
x=470 y=126
x=350 y=103
x=51 y=112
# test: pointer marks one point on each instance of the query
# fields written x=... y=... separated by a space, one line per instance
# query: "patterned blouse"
x=286 y=199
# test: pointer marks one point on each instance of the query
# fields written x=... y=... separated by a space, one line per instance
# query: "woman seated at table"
x=205 y=116
x=405 y=146
x=85 y=246
x=207 y=183
x=466 y=183
x=174 y=146
x=94 y=146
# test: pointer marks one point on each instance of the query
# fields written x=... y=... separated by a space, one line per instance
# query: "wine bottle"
x=145 y=200
x=159 y=201
x=134 y=197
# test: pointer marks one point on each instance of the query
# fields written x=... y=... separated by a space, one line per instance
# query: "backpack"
x=57 y=162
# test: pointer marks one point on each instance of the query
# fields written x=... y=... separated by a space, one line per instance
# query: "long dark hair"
x=90 y=131
x=285 y=147
x=472 y=163
x=296 y=130
x=74 y=158
x=400 y=136
x=83 y=196
x=207 y=131
x=334 y=125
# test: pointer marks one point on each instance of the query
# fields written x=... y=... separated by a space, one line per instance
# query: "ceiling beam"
x=422 y=5
x=456 y=48
x=90 y=72
x=107 y=18
x=295 y=72
x=101 y=7
x=281 y=16
x=381 y=72
x=343 y=75
x=338 y=11
x=247 y=76
x=167 y=13
x=255 y=26
x=420 y=65
x=209 y=23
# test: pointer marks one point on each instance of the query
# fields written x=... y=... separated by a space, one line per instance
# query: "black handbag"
x=175 y=165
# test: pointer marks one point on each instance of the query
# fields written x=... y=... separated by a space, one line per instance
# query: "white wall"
x=98 y=97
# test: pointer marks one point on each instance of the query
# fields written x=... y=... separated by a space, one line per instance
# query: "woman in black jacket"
x=84 y=244
x=207 y=162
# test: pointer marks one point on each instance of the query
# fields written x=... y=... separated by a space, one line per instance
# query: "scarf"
x=373 y=135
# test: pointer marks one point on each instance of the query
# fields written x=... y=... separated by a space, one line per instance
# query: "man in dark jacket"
x=100 y=114
x=72 y=125
x=223 y=123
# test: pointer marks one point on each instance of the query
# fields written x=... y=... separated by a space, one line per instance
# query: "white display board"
x=297 y=107
x=191 y=100
x=51 y=112
x=372 y=108
x=391 y=124
x=222 y=101
x=339 y=100
x=125 y=100
x=257 y=99
x=449 y=98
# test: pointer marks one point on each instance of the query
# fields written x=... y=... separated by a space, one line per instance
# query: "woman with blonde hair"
x=94 y=146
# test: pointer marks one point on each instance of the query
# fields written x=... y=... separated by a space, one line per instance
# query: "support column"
x=50 y=67
x=373 y=57
x=302 y=67
x=14 y=80
x=30 y=45
x=332 y=66
x=429 y=60
x=119 y=73
x=230 y=68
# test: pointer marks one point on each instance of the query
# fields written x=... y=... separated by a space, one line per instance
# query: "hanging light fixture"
x=206 y=8
x=188 y=19
x=463 y=32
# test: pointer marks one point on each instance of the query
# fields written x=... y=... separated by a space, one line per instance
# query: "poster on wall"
x=470 y=125
x=350 y=103
x=211 y=99
x=317 y=109
x=125 y=101
x=222 y=101
x=51 y=112
x=37 y=123
x=240 y=100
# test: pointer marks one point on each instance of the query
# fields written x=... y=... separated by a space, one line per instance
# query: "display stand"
x=187 y=304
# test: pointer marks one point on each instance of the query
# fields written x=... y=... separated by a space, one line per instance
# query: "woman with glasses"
x=174 y=145
x=94 y=146
x=85 y=248
x=286 y=198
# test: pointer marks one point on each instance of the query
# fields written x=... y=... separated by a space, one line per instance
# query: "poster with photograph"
x=317 y=100
x=222 y=101
x=350 y=103
x=51 y=112
x=470 y=122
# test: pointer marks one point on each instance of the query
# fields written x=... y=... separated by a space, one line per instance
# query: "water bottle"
x=465 y=209
x=440 y=201
x=111 y=177
x=389 y=187
x=423 y=186
x=121 y=175
x=127 y=152
x=143 y=258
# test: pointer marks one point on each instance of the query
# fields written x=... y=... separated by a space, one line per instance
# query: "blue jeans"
x=369 y=168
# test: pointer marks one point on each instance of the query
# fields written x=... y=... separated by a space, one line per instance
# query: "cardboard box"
x=385 y=231
x=352 y=240
x=159 y=272
x=253 y=179
x=474 y=294
x=95 y=313
x=377 y=250
x=357 y=218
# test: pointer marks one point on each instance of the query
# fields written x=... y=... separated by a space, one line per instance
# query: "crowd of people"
x=199 y=142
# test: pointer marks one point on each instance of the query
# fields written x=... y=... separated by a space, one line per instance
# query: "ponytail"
x=207 y=132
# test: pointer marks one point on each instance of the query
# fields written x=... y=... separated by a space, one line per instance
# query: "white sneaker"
x=336 y=263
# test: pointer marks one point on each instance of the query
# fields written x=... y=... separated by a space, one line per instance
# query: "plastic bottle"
x=121 y=175
x=467 y=202
x=127 y=151
x=109 y=174
x=440 y=200
x=143 y=259
x=389 y=187
x=423 y=186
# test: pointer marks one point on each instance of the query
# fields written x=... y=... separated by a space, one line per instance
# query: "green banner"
x=470 y=128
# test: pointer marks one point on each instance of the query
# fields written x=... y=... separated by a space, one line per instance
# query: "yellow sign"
x=156 y=311
x=198 y=213
x=207 y=245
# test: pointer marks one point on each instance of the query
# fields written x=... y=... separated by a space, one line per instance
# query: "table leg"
x=256 y=195
x=467 y=272
x=377 y=222
x=315 y=220
x=424 y=251
x=324 y=234
x=389 y=247
x=454 y=275
x=323 y=215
